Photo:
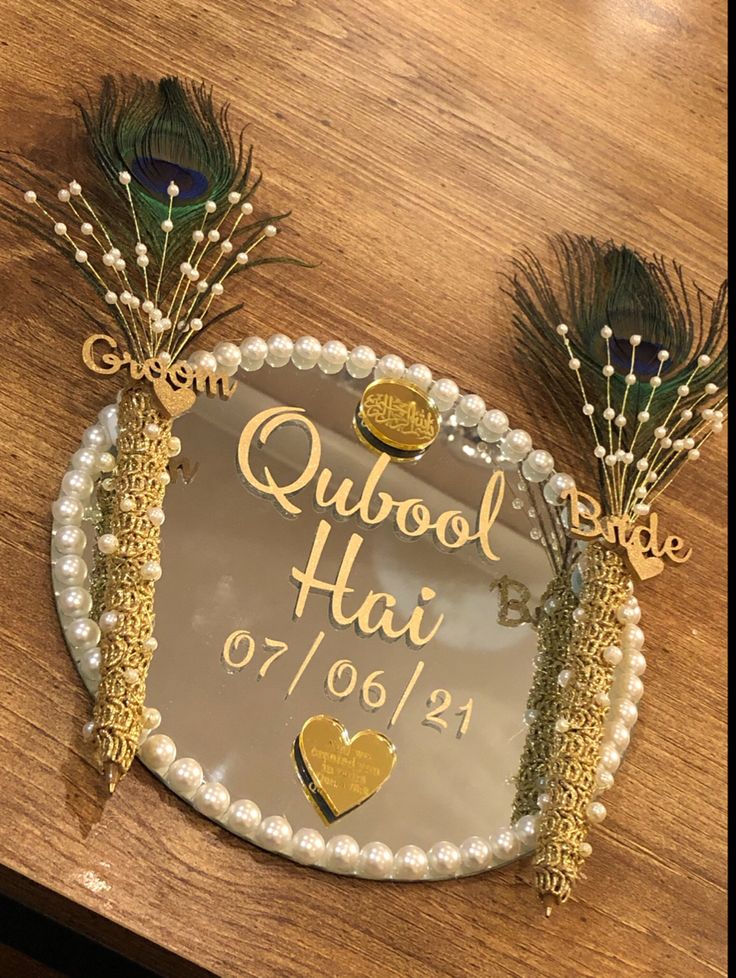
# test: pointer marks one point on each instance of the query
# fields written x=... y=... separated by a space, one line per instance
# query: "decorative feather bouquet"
x=640 y=358
x=177 y=190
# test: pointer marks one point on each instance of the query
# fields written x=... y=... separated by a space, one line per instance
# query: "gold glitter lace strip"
x=574 y=753
x=141 y=460
x=98 y=582
x=553 y=646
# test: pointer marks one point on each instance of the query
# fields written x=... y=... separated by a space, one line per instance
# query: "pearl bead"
x=562 y=725
x=274 y=833
x=185 y=777
x=109 y=621
x=637 y=663
x=307 y=846
x=68 y=511
x=610 y=758
x=83 y=634
x=341 y=853
x=155 y=515
x=204 y=360
x=537 y=466
x=86 y=460
x=516 y=445
x=243 y=817
x=246 y=208
x=529 y=717
x=333 y=357
x=270 y=230
x=504 y=845
x=107 y=543
x=361 y=361
x=544 y=800
x=526 y=830
x=470 y=409
x=306 y=353
x=151 y=718
x=228 y=357
x=419 y=375
x=254 y=351
x=634 y=689
x=152 y=430
x=564 y=677
x=578 y=615
x=151 y=571
x=212 y=799
x=603 y=779
x=30 y=196
x=629 y=614
x=555 y=486
x=375 y=861
x=390 y=367
x=596 y=812
x=613 y=655
x=108 y=420
x=70 y=570
x=97 y=437
x=627 y=712
x=174 y=446
x=77 y=484
x=74 y=602
x=158 y=752
x=280 y=348
x=444 y=393
x=444 y=859
x=410 y=863
x=127 y=504
x=106 y=461
x=602 y=699
x=90 y=663
x=88 y=731
x=493 y=425
x=69 y=540
x=632 y=638
x=619 y=734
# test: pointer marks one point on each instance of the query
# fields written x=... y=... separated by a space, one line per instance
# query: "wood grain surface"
x=418 y=143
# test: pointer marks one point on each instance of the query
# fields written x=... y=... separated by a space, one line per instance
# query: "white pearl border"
x=341 y=853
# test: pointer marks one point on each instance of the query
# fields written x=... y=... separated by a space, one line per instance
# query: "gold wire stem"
x=129 y=590
x=553 y=642
x=578 y=732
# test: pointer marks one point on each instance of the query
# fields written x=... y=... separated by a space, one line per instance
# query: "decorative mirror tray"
x=353 y=559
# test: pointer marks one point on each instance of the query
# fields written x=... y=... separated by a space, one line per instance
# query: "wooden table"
x=418 y=143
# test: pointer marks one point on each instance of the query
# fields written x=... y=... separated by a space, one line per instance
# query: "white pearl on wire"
x=274 y=833
x=90 y=663
x=610 y=758
x=306 y=352
x=627 y=712
x=74 y=602
x=212 y=799
x=419 y=375
x=526 y=830
x=537 y=466
x=410 y=863
x=107 y=543
x=204 y=360
x=243 y=817
x=97 y=437
x=151 y=571
x=30 y=196
x=375 y=860
x=280 y=348
x=158 y=752
x=77 y=484
x=516 y=445
x=67 y=510
x=444 y=859
x=361 y=361
x=632 y=638
x=341 y=854
x=637 y=663
x=390 y=367
x=333 y=357
x=228 y=357
x=88 y=731
x=504 y=845
x=444 y=392
x=270 y=230
x=596 y=812
x=556 y=485
x=470 y=409
x=70 y=570
x=493 y=425
x=307 y=847
x=185 y=777
x=109 y=621
x=254 y=351
x=82 y=634
x=69 y=540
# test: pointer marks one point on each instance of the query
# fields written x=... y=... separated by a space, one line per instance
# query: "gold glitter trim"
x=141 y=460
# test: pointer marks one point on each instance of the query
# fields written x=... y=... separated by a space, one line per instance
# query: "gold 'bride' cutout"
x=640 y=542
x=175 y=385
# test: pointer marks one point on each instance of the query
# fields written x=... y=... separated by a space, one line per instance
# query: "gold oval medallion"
x=397 y=418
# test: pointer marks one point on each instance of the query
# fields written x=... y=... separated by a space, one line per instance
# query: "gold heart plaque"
x=339 y=772
x=174 y=402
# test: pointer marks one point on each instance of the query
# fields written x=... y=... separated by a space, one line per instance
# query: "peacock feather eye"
x=155 y=174
x=646 y=361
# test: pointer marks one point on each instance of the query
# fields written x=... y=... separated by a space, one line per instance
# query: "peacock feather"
x=644 y=350
x=161 y=232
